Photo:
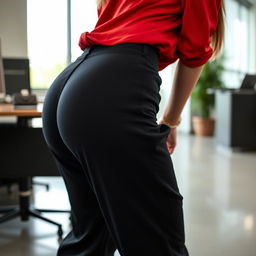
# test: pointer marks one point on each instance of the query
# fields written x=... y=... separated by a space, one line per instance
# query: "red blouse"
x=178 y=28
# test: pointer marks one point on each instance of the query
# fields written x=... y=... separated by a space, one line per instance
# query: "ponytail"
x=218 y=37
x=100 y=3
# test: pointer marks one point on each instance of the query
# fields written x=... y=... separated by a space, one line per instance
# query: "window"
x=47 y=40
x=237 y=42
x=83 y=18
x=54 y=28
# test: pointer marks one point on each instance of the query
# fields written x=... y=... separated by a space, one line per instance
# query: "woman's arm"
x=199 y=22
x=185 y=79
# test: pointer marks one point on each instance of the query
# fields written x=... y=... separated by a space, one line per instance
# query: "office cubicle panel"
x=23 y=152
x=16 y=74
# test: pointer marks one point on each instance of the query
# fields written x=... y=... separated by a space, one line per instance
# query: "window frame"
x=249 y=7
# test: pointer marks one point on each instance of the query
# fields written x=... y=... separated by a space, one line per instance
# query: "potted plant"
x=202 y=97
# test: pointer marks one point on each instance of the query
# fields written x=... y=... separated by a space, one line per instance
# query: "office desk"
x=8 y=110
x=236 y=119
x=24 y=154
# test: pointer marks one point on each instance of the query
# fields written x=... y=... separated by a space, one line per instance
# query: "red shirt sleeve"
x=199 y=21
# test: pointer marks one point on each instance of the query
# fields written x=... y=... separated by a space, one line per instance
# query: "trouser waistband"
x=148 y=50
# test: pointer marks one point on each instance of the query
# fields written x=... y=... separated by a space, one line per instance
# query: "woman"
x=99 y=121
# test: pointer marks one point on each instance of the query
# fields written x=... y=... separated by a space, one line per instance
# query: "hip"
x=111 y=88
x=115 y=77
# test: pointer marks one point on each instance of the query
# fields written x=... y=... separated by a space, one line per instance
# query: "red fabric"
x=180 y=29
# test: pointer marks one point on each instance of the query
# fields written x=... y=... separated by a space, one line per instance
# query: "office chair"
x=9 y=182
x=24 y=208
x=16 y=78
x=46 y=185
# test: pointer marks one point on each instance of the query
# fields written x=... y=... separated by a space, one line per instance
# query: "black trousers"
x=99 y=122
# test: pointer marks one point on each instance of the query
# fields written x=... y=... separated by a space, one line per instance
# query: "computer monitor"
x=2 y=80
x=16 y=73
x=248 y=82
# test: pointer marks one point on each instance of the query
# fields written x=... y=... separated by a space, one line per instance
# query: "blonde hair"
x=216 y=39
x=100 y=2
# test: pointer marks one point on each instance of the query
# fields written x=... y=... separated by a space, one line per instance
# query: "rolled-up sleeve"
x=199 y=22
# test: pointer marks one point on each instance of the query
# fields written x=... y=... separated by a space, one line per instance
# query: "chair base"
x=24 y=210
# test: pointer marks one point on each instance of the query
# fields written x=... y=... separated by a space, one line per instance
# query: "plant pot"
x=203 y=126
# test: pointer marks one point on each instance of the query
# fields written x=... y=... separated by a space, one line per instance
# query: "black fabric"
x=99 y=122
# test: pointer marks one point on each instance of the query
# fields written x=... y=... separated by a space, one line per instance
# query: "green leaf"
x=202 y=102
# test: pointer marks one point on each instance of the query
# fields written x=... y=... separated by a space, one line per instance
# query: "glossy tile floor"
x=219 y=189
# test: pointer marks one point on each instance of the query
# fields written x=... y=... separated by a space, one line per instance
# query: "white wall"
x=13 y=28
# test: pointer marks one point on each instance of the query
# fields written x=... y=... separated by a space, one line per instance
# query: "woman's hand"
x=171 y=140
